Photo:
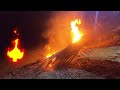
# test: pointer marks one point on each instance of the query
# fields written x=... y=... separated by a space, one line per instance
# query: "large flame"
x=15 y=54
x=76 y=36
x=75 y=31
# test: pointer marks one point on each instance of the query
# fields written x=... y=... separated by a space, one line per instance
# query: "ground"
x=81 y=65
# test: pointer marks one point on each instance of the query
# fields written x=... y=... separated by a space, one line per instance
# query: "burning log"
x=84 y=47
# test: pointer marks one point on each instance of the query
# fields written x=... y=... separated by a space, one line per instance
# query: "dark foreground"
x=80 y=65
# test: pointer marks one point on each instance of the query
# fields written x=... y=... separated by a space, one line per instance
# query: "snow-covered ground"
x=108 y=53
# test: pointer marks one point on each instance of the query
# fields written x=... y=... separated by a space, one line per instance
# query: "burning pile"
x=76 y=36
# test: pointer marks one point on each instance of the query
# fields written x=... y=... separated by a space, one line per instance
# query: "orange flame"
x=50 y=53
x=75 y=31
x=15 y=54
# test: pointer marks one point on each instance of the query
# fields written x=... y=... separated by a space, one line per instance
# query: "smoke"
x=58 y=31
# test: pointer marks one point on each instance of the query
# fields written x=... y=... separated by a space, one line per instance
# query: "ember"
x=50 y=53
x=15 y=31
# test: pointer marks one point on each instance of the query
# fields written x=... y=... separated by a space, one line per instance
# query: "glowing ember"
x=15 y=31
x=15 y=54
x=50 y=52
x=48 y=55
x=50 y=65
x=75 y=31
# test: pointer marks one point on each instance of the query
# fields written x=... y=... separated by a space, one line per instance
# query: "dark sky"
x=30 y=25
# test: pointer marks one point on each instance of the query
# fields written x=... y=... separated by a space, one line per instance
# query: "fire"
x=15 y=54
x=48 y=55
x=75 y=30
x=50 y=52
x=76 y=36
x=15 y=31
